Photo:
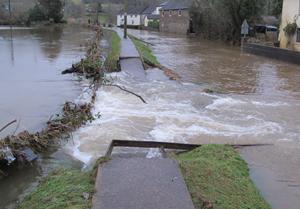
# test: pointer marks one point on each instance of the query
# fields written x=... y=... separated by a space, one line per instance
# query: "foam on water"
x=174 y=112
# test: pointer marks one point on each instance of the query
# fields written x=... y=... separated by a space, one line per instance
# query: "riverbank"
x=150 y=60
x=216 y=177
x=61 y=189
x=64 y=188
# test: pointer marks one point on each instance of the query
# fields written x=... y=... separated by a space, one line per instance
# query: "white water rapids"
x=177 y=112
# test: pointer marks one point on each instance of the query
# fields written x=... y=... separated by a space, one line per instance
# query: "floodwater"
x=31 y=85
x=33 y=89
x=257 y=100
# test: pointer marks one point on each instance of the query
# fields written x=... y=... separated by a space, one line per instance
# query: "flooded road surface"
x=31 y=85
x=257 y=101
x=32 y=89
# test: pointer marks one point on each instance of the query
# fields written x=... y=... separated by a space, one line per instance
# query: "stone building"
x=290 y=14
x=175 y=18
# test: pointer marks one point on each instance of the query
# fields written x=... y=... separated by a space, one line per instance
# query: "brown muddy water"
x=31 y=85
x=257 y=101
x=32 y=89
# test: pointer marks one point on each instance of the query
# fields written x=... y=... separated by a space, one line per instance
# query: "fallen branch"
x=168 y=72
x=7 y=125
x=17 y=127
x=123 y=89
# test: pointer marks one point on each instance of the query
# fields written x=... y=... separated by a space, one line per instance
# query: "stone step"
x=141 y=183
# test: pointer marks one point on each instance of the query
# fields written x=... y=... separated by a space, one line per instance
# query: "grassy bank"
x=217 y=177
x=145 y=52
x=62 y=189
x=150 y=59
x=112 y=59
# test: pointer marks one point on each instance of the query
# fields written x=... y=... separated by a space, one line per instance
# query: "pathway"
x=130 y=60
x=135 y=182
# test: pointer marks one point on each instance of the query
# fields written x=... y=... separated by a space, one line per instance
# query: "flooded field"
x=31 y=85
x=32 y=89
x=256 y=100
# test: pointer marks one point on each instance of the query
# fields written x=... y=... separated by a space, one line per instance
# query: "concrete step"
x=141 y=183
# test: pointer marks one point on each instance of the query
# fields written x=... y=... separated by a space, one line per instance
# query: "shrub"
x=153 y=24
x=290 y=29
x=36 y=14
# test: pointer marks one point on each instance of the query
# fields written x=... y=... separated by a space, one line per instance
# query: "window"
x=163 y=13
x=170 y=13
x=298 y=35
x=179 y=12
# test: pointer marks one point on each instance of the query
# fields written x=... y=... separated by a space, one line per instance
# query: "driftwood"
x=168 y=72
x=123 y=89
x=69 y=71
x=17 y=127
x=7 y=125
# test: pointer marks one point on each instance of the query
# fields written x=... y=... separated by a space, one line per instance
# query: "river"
x=257 y=100
x=32 y=89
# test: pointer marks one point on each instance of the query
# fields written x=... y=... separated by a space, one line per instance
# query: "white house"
x=290 y=14
x=134 y=17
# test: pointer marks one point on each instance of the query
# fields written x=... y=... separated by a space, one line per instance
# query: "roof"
x=153 y=17
x=175 y=6
x=135 y=10
x=150 y=9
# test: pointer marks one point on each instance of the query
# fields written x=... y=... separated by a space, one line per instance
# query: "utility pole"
x=125 y=18
x=125 y=25
x=11 y=32
x=10 y=15
x=97 y=13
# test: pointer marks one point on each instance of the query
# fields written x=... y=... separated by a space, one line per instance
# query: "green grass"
x=63 y=189
x=112 y=59
x=145 y=51
x=103 y=18
x=218 y=175
x=76 y=1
